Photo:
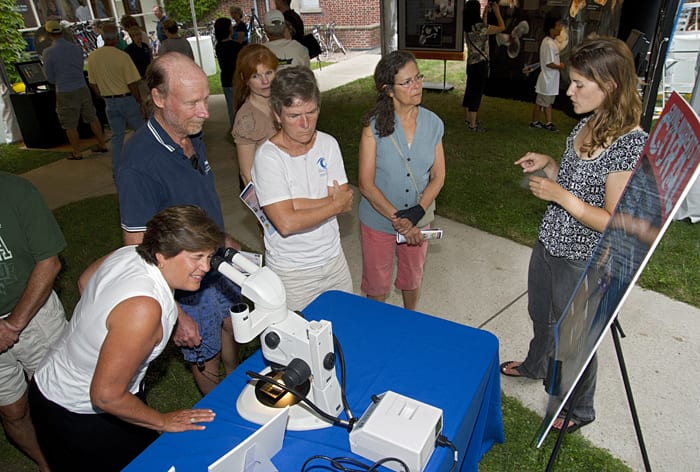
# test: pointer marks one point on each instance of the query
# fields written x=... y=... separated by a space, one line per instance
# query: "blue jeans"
x=208 y=307
x=120 y=111
x=228 y=95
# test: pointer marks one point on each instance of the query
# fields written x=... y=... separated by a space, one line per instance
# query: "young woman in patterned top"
x=582 y=190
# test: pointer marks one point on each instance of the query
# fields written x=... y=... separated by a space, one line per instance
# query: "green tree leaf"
x=12 y=45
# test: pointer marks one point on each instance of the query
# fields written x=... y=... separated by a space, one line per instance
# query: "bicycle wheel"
x=328 y=42
x=340 y=45
x=324 y=49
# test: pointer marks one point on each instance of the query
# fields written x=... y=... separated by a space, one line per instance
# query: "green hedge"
x=180 y=9
x=12 y=45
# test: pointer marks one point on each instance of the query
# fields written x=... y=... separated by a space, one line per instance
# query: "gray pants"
x=551 y=282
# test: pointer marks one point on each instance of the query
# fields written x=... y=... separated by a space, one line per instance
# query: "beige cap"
x=274 y=22
x=53 y=26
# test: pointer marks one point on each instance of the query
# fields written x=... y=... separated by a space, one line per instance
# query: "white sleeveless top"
x=65 y=374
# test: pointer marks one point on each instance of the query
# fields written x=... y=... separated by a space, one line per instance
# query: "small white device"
x=255 y=452
x=400 y=427
x=428 y=234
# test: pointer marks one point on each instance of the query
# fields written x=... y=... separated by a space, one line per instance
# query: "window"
x=309 y=6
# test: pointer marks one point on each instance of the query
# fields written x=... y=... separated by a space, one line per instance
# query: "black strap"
x=475 y=47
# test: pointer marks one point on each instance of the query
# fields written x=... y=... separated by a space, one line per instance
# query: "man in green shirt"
x=31 y=315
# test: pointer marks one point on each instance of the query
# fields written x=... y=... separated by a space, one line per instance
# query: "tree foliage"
x=180 y=9
x=12 y=44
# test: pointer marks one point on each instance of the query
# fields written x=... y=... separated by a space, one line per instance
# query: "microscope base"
x=301 y=418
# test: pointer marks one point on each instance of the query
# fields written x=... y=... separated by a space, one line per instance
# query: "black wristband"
x=414 y=214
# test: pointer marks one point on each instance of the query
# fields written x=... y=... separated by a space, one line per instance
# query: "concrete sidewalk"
x=478 y=279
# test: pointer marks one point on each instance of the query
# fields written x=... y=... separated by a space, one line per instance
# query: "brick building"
x=357 y=21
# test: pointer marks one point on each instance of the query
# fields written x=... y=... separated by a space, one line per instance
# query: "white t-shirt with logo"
x=277 y=176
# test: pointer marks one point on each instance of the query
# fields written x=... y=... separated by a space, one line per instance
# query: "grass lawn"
x=215 y=82
x=16 y=160
x=483 y=189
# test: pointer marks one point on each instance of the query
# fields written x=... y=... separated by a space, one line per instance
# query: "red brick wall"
x=357 y=21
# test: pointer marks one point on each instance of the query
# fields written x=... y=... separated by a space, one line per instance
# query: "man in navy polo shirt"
x=165 y=164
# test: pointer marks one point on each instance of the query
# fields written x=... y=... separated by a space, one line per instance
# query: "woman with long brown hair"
x=582 y=190
x=254 y=123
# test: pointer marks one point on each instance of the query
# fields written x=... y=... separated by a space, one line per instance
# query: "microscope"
x=301 y=356
x=300 y=353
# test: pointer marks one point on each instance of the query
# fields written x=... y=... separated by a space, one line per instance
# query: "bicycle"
x=332 y=41
x=316 y=32
x=84 y=37
x=187 y=30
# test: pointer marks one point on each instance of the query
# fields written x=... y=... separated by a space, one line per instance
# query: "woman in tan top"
x=254 y=123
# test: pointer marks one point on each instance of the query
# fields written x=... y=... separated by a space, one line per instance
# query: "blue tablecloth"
x=445 y=364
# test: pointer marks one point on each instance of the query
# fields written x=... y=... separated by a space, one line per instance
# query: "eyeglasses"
x=200 y=358
x=194 y=160
x=200 y=362
x=414 y=80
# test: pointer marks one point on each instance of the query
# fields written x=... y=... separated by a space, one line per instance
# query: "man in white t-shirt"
x=289 y=52
x=547 y=87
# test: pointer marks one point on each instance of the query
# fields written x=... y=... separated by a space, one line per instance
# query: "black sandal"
x=507 y=366
x=574 y=423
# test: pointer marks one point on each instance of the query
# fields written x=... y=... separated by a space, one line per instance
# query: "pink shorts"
x=378 y=250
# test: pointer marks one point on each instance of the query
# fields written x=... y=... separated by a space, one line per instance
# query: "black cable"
x=331 y=419
x=388 y=459
x=442 y=441
x=341 y=360
x=337 y=463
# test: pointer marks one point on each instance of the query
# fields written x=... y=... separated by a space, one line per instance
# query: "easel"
x=436 y=86
x=617 y=332
x=444 y=56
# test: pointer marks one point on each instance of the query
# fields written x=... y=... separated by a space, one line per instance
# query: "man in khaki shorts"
x=31 y=315
x=64 y=64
